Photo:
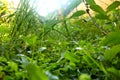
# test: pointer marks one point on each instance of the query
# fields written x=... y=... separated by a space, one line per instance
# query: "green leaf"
x=3 y=59
x=113 y=6
x=35 y=73
x=71 y=57
x=30 y=40
x=72 y=64
x=101 y=16
x=110 y=54
x=112 y=39
x=84 y=77
x=115 y=72
x=78 y=13
x=91 y=2
x=97 y=8
x=4 y=28
x=13 y=66
x=88 y=60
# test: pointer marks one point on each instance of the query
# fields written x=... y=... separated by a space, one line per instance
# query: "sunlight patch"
x=44 y=7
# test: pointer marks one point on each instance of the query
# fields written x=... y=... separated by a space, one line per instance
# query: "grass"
x=66 y=49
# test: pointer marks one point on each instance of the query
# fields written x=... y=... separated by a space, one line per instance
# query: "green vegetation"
x=74 y=48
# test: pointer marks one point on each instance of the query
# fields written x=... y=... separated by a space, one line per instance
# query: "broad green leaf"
x=71 y=57
x=3 y=28
x=3 y=59
x=97 y=8
x=78 y=13
x=91 y=2
x=110 y=54
x=84 y=77
x=72 y=64
x=88 y=60
x=112 y=38
x=30 y=40
x=35 y=73
x=101 y=16
x=1 y=68
x=114 y=71
x=113 y=6
x=13 y=66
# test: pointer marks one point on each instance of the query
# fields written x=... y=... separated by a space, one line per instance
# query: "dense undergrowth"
x=74 y=48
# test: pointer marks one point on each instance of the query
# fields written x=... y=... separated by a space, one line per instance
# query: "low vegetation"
x=75 y=48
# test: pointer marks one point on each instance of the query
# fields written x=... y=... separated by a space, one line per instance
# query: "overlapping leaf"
x=113 y=6
x=112 y=39
x=110 y=54
x=78 y=13
x=35 y=73
x=91 y=2
x=97 y=8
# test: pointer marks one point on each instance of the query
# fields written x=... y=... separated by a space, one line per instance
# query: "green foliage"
x=68 y=49
x=35 y=73
x=113 y=6
x=114 y=72
x=78 y=13
x=3 y=10
x=21 y=24
x=112 y=39
x=71 y=57
x=97 y=8
x=112 y=53
x=30 y=40
x=91 y=2
x=84 y=77
x=101 y=16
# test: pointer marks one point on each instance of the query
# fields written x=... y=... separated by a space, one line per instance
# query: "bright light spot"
x=44 y=7
x=42 y=48
x=14 y=3
x=78 y=48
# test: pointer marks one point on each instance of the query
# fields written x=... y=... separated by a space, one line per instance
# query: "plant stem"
x=93 y=20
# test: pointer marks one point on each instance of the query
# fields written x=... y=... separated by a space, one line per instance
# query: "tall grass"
x=26 y=20
x=69 y=48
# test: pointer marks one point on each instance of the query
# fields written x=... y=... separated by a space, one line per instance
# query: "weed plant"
x=75 y=48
